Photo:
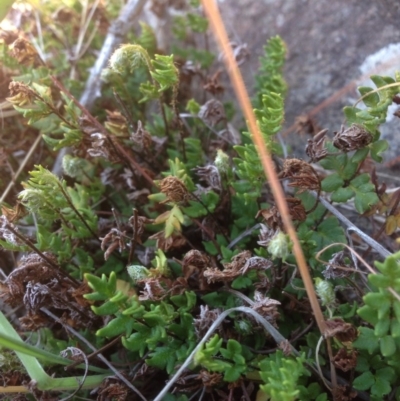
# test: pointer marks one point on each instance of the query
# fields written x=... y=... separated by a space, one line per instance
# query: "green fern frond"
x=270 y=74
x=147 y=38
x=377 y=102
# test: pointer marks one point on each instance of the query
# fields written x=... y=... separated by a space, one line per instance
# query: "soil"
x=327 y=42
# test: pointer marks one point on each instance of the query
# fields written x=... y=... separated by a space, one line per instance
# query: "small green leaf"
x=163 y=358
x=364 y=201
x=137 y=341
x=233 y=347
x=368 y=314
x=366 y=340
x=371 y=100
x=387 y=373
x=186 y=301
x=359 y=156
x=388 y=346
x=377 y=148
x=379 y=280
x=382 y=327
x=108 y=308
x=380 y=81
x=241 y=282
x=349 y=169
x=332 y=182
x=342 y=195
x=381 y=387
x=210 y=248
x=116 y=326
x=351 y=114
x=376 y=299
x=364 y=381
x=232 y=373
x=395 y=328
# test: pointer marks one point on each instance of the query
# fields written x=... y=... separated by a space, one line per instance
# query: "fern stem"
x=212 y=216
x=33 y=247
x=350 y=226
x=80 y=217
x=21 y=167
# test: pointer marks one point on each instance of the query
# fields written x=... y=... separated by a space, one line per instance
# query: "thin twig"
x=29 y=243
x=370 y=269
x=80 y=217
x=93 y=354
x=350 y=226
x=243 y=235
x=21 y=167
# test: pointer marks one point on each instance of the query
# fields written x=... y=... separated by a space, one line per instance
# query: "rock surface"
x=327 y=43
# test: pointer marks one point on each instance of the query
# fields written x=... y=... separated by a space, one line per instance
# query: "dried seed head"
x=240 y=52
x=141 y=137
x=213 y=84
x=272 y=217
x=174 y=189
x=266 y=307
x=193 y=266
x=301 y=174
x=24 y=52
x=305 y=124
x=240 y=264
x=153 y=290
x=64 y=15
x=113 y=240
x=21 y=94
x=352 y=138
x=338 y=266
x=296 y=209
x=99 y=146
x=344 y=332
x=206 y=318
x=212 y=112
x=138 y=224
x=345 y=359
x=210 y=175
x=196 y=258
x=116 y=123
x=210 y=379
x=266 y=235
x=315 y=149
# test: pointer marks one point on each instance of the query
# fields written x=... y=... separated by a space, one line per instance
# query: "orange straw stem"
x=221 y=36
